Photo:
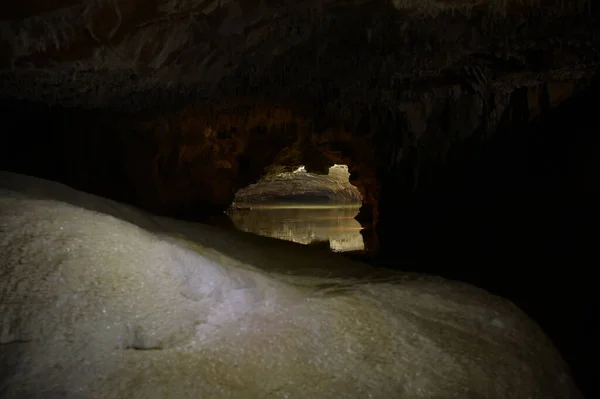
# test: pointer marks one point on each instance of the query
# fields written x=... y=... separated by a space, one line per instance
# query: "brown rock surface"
x=195 y=88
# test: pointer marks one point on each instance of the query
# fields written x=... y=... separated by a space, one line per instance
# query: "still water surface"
x=303 y=223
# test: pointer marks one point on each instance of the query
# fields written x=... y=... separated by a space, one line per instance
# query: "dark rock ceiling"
x=194 y=91
x=358 y=82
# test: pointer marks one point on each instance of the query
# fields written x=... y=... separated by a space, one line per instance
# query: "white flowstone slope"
x=99 y=300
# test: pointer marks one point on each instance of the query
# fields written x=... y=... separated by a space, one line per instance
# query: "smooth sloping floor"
x=100 y=300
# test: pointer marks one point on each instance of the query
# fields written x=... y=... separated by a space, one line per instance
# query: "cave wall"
x=508 y=202
x=465 y=160
x=493 y=180
x=186 y=162
x=178 y=98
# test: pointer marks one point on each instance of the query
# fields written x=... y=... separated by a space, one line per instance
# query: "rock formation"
x=299 y=186
x=100 y=300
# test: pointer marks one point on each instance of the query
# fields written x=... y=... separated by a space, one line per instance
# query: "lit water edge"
x=302 y=223
x=245 y=206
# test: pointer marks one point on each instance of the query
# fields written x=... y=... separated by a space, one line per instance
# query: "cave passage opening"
x=303 y=207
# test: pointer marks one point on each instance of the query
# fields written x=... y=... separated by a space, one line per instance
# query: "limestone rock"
x=333 y=187
x=121 y=304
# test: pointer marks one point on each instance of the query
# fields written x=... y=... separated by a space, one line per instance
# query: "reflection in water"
x=303 y=223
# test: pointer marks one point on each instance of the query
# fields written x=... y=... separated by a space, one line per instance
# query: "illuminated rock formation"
x=300 y=186
x=134 y=306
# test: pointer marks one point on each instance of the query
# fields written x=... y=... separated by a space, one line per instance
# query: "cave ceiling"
x=199 y=98
x=133 y=54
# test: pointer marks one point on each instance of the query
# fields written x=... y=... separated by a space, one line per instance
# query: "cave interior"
x=469 y=128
